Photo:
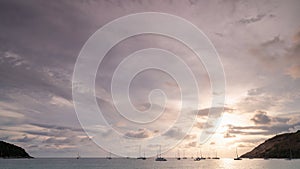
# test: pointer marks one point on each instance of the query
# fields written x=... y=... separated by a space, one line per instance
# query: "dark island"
x=281 y=146
x=8 y=150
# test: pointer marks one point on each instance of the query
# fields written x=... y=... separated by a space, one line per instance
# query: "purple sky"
x=258 y=43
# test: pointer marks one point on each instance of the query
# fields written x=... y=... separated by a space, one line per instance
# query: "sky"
x=258 y=43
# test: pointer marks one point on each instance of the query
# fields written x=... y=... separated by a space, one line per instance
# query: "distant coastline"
x=8 y=150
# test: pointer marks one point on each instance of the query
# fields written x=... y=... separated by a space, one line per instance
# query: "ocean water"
x=101 y=163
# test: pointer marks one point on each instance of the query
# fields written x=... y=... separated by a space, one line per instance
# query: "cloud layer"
x=258 y=42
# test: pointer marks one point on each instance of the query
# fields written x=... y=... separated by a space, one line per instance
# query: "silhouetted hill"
x=279 y=146
x=8 y=150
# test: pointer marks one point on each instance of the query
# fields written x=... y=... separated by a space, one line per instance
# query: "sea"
x=123 y=163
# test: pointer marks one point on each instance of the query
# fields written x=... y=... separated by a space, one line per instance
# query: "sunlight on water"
x=146 y=164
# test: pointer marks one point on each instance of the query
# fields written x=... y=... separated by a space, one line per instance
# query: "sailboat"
x=197 y=158
x=216 y=157
x=78 y=156
x=184 y=157
x=109 y=157
x=158 y=157
x=202 y=158
x=178 y=155
x=237 y=156
x=140 y=157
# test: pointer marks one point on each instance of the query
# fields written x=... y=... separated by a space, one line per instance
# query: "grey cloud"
x=56 y=141
x=280 y=98
x=262 y=102
x=193 y=2
x=294 y=50
x=190 y=137
x=261 y=117
x=205 y=111
x=281 y=119
x=51 y=130
x=141 y=133
x=203 y=125
x=30 y=78
x=50 y=21
x=228 y=135
x=262 y=130
x=49 y=126
x=294 y=71
x=276 y=40
x=24 y=139
x=174 y=134
x=256 y=91
x=38 y=141
x=191 y=144
x=293 y=54
x=270 y=53
x=41 y=133
x=257 y=18
x=43 y=39
x=278 y=54
x=49 y=133
x=107 y=133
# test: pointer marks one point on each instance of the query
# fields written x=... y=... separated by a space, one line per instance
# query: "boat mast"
x=200 y=153
x=140 y=151
x=159 y=151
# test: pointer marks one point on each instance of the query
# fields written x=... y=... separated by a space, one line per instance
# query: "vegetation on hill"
x=281 y=146
x=8 y=150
